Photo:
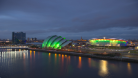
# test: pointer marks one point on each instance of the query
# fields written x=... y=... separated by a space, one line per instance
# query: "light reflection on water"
x=103 y=68
x=89 y=62
x=12 y=56
x=55 y=58
x=79 y=65
x=41 y=64
x=34 y=54
x=129 y=67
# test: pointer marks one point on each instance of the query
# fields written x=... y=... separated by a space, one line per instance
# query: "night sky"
x=69 y=18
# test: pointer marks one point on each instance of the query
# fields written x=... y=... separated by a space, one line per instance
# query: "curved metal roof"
x=55 y=42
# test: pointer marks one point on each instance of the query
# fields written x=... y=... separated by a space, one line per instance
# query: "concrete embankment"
x=88 y=55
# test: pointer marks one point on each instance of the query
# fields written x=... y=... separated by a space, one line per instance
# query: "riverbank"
x=117 y=58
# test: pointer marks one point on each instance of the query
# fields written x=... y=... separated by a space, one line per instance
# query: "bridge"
x=14 y=48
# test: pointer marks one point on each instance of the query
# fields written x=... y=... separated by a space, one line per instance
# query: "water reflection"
x=58 y=65
x=49 y=54
x=55 y=59
x=49 y=57
x=79 y=65
x=24 y=56
x=30 y=54
x=59 y=55
x=34 y=54
x=55 y=55
x=129 y=68
x=69 y=58
x=24 y=61
x=103 y=68
x=62 y=59
x=65 y=56
x=89 y=62
x=12 y=56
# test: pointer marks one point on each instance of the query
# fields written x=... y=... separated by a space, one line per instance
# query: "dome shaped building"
x=55 y=42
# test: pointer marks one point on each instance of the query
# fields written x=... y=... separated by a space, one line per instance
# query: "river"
x=31 y=64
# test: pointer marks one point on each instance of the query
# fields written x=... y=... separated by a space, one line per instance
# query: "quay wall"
x=89 y=55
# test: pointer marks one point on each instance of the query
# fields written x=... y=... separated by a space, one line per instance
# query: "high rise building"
x=18 y=38
x=33 y=39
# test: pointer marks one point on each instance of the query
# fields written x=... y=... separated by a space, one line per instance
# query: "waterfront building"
x=56 y=42
x=5 y=42
x=136 y=47
x=18 y=38
x=81 y=39
x=80 y=42
x=108 y=42
x=33 y=39
x=28 y=39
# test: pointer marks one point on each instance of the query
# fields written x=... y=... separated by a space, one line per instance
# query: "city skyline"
x=71 y=19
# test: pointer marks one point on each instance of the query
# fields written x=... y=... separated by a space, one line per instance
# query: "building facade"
x=108 y=42
x=18 y=38
x=80 y=42
x=56 y=42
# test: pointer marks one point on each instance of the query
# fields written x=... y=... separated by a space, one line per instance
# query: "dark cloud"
x=69 y=18
x=101 y=23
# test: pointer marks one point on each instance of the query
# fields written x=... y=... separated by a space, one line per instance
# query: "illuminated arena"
x=108 y=42
x=55 y=42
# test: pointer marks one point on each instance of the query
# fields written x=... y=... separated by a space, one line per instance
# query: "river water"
x=31 y=64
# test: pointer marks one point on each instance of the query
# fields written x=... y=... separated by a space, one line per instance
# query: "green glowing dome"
x=55 y=42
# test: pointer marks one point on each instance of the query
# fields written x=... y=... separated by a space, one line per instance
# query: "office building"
x=33 y=39
x=18 y=38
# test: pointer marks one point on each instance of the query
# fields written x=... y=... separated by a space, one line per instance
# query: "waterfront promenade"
x=13 y=46
x=118 y=58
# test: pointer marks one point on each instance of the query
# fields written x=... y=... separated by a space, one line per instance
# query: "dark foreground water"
x=31 y=64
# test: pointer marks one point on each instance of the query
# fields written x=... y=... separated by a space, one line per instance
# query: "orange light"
x=34 y=54
x=59 y=55
x=89 y=62
x=79 y=65
x=65 y=56
x=55 y=55
x=24 y=56
x=55 y=58
x=31 y=54
x=129 y=68
x=62 y=55
x=49 y=54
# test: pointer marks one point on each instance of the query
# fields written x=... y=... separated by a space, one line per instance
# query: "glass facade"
x=18 y=38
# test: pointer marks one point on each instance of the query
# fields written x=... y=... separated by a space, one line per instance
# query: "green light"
x=49 y=42
x=102 y=42
x=54 y=42
x=57 y=45
x=44 y=44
